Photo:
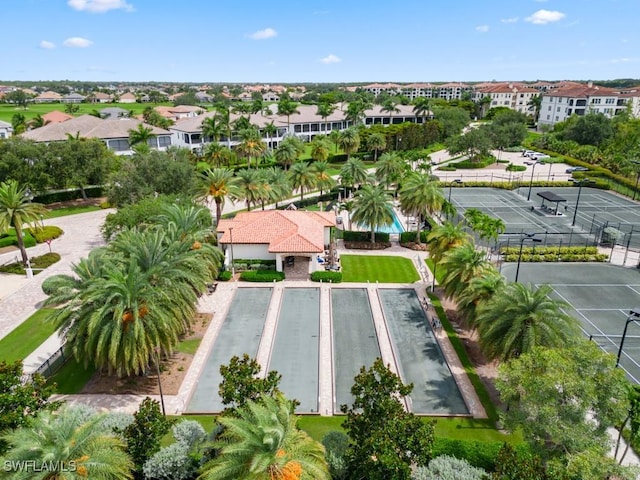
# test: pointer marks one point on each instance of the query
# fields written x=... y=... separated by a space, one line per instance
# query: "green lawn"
x=189 y=346
x=27 y=336
x=381 y=268
x=72 y=377
x=65 y=211
x=7 y=111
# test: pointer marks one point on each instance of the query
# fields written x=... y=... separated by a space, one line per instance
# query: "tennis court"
x=597 y=209
x=600 y=296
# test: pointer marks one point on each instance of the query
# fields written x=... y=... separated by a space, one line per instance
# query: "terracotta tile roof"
x=285 y=231
x=56 y=116
x=48 y=95
x=581 y=90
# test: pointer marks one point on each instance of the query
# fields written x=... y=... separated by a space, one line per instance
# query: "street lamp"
x=233 y=269
x=634 y=316
x=580 y=184
x=525 y=237
x=533 y=169
x=458 y=181
x=636 y=162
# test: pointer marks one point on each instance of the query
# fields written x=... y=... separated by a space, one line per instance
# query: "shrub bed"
x=66 y=195
x=43 y=234
x=355 y=236
x=554 y=257
x=262 y=276
x=332 y=277
x=410 y=237
x=547 y=250
x=477 y=453
x=37 y=263
x=468 y=164
x=367 y=245
x=515 y=168
x=9 y=238
x=224 y=276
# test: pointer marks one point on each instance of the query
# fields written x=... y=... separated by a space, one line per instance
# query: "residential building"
x=514 y=96
x=73 y=98
x=127 y=98
x=99 y=97
x=6 y=129
x=48 y=97
x=56 y=116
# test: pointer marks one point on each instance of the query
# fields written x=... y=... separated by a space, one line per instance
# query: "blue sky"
x=328 y=41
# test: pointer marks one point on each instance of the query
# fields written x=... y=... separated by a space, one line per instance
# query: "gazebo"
x=551 y=198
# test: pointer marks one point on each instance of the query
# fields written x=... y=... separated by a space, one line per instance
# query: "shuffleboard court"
x=600 y=296
x=419 y=356
x=296 y=347
x=355 y=343
x=240 y=333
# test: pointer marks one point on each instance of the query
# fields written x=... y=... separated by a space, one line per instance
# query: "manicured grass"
x=7 y=111
x=440 y=272
x=317 y=426
x=72 y=377
x=28 y=336
x=189 y=346
x=473 y=429
x=65 y=211
x=380 y=268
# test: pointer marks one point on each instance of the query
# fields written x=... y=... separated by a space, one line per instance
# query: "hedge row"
x=42 y=234
x=66 y=195
x=554 y=257
x=353 y=236
x=324 y=276
x=224 y=276
x=262 y=276
x=549 y=250
x=410 y=237
x=477 y=453
x=255 y=261
x=468 y=164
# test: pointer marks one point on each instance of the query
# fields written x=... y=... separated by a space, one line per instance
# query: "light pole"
x=634 y=316
x=458 y=181
x=525 y=237
x=233 y=269
x=635 y=190
x=580 y=184
x=533 y=169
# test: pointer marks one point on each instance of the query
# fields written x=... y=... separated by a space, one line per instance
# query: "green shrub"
x=446 y=467
x=271 y=263
x=468 y=164
x=224 y=276
x=37 y=263
x=477 y=453
x=354 y=236
x=326 y=276
x=66 y=195
x=42 y=234
x=447 y=168
x=515 y=168
x=9 y=238
x=262 y=276
x=410 y=237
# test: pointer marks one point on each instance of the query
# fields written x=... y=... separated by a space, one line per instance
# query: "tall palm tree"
x=421 y=197
x=250 y=186
x=376 y=142
x=355 y=111
x=320 y=148
x=391 y=107
x=287 y=152
x=263 y=443
x=212 y=128
x=421 y=107
x=287 y=107
x=353 y=173
x=223 y=114
x=324 y=181
x=188 y=220
x=16 y=210
x=324 y=110
x=479 y=291
x=349 y=141
x=270 y=131
x=251 y=145
x=334 y=136
x=390 y=169
x=67 y=444
x=461 y=265
x=373 y=208
x=216 y=154
x=278 y=181
x=521 y=318
x=140 y=135
x=219 y=183
x=37 y=122
x=302 y=177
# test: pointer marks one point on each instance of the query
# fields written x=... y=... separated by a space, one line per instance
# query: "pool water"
x=396 y=227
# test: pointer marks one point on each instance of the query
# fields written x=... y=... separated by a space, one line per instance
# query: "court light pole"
x=233 y=269
x=533 y=169
x=580 y=184
x=458 y=181
x=634 y=316
x=637 y=164
x=525 y=237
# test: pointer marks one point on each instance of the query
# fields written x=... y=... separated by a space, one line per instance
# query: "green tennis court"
x=600 y=296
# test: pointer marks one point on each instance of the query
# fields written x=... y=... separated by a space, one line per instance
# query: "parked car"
x=576 y=169
x=538 y=156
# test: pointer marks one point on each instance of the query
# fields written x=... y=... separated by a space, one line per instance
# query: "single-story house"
x=99 y=97
x=6 y=130
x=48 y=97
x=276 y=235
x=73 y=98
x=127 y=98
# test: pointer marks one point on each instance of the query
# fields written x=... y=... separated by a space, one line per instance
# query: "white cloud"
x=47 y=45
x=331 y=58
x=77 y=42
x=263 y=34
x=99 y=6
x=482 y=28
x=509 y=20
x=542 y=17
x=625 y=60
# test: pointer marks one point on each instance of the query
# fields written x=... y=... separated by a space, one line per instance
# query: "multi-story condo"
x=515 y=97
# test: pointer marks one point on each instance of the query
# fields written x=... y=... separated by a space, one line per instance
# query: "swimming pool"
x=396 y=227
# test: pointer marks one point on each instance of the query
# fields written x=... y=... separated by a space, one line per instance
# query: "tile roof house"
x=99 y=97
x=275 y=235
x=127 y=98
x=48 y=97
x=73 y=98
x=56 y=116
x=114 y=133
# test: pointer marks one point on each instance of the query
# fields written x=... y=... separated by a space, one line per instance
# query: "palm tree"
x=355 y=111
x=37 y=122
x=16 y=210
x=334 y=136
x=302 y=177
x=287 y=107
x=390 y=169
x=278 y=181
x=479 y=291
x=140 y=135
x=376 y=142
x=373 y=208
x=349 y=141
x=421 y=107
x=521 y=318
x=390 y=106
x=219 y=183
x=445 y=237
x=216 y=154
x=250 y=186
x=461 y=265
x=320 y=147
x=67 y=444
x=223 y=114
x=324 y=110
x=251 y=145
x=421 y=197
x=19 y=123
x=353 y=173
x=287 y=152
x=324 y=181
x=212 y=128
x=270 y=130
x=263 y=443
